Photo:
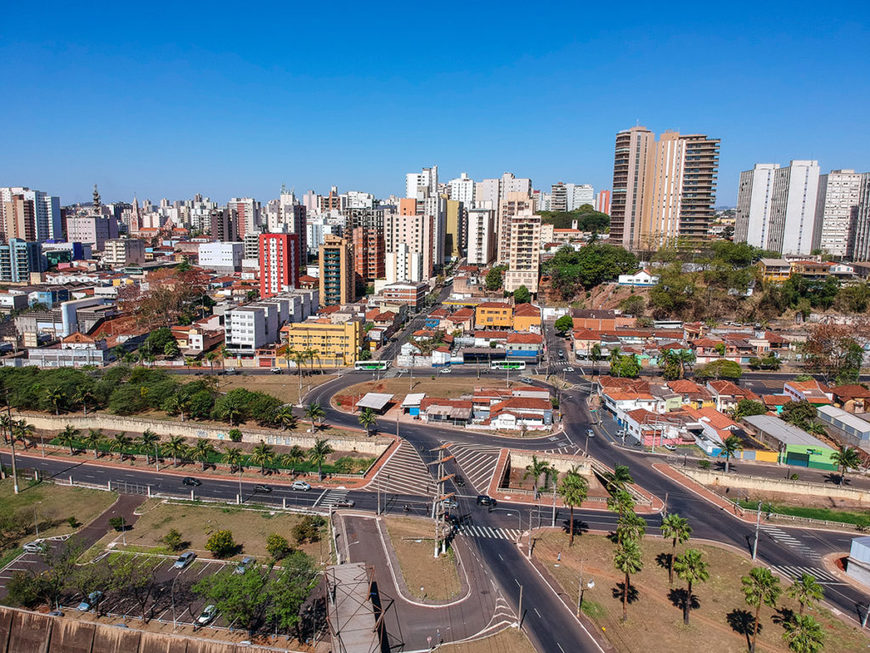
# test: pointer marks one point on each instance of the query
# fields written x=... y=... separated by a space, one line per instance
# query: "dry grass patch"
x=652 y=617
x=426 y=577
x=509 y=640
x=196 y=522
x=283 y=386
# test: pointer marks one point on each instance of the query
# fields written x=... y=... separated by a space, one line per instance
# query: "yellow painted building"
x=527 y=317
x=488 y=315
x=337 y=345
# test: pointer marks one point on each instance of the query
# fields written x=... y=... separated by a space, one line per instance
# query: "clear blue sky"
x=167 y=100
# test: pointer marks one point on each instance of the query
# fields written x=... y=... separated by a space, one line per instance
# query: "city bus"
x=371 y=366
x=507 y=365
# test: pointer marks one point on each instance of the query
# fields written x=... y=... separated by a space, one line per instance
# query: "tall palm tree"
x=618 y=478
x=202 y=451
x=69 y=438
x=535 y=469
x=148 y=441
x=760 y=587
x=299 y=357
x=845 y=458
x=285 y=417
x=628 y=560
x=233 y=458
x=574 y=490
x=315 y=413
x=730 y=446
x=691 y=568
x=803 y=634
x=231 y=410
x=6 y=423
x=367 y=419
x=83 y=397
x=24 y=432
x=293 y=457
x=121 y=444
x=176 y=448
x=595 y=356
x=620 y=502
x=262 y=455
x=676 y=529
x=94 y=440
x=55 y=397
x=806 y=591
x=630 y=526
x=318 y=454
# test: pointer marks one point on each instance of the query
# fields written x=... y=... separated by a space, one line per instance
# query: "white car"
x=301 y=486
x=37 y=546
x=446 y=370
x=208 y=613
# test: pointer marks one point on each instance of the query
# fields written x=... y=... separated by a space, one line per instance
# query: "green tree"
x=620 y=502
x=522 y=295
x=221 y=543
x=84 y=396
x=803 y=634
x=674 y=363
x=730 y=446
x=121 y=443
x=570 y=270
x=691 y=568
x=94 y=440
x=630 y=526
x=625 y=366
x=618 y=479
x=56 y=397
x=69 y=438
x=760 y=587
x=315 y=414
x=676 y=529
x=806 y=591
x=494 y=277
x=203 y=451
x=318 y=454
x=633 y=305
x=293 y=457
x=832 y=351
x=241 y=598
x=720 y=369
x=173 y=540
x=799 y=413
x=289 y=590
x=628 y=561
x=171 y=349
x=277 y=546
x=176 y=448
x=748 y=407
x=535 y=469
x=231 y=407
x=285 y=417
x=149 y=441
x=574 y=490
x=233 y=457
x=367 y=419
x=134 y=577
x=595 y=356
x=262 y=455
x=846 y=458
x=563 y=324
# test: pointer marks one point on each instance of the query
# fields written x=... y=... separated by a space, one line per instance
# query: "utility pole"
x=520 y=609
x=757 y=529
x=12 y=443
x=553 y=522
x=580 y=590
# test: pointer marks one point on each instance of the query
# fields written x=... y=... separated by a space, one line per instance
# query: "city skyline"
x=170 y=110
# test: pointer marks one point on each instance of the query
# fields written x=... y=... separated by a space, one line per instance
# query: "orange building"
x=493 y=314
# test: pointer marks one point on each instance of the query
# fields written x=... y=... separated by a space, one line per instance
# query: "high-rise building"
x=862 y=221
x=331 y=202
x=524 y=252
x=487 y=194
x=513 y=208
x=481 y=236
x=419 y=185
x=837 y=212
x=247 y=214
x=754 y=204
x=336 y=271
x=369 y=252
x=91 y=229
x=403 y=265
x=462 y=189
x=30 y=214
x=225 y=257
x=579 y=195
x=632 y=172
x=221 y=225
x=279 y=263
x=512 y=184
x=120 y=252
x=455 y=229
x=418 y=233
x=602 y=202
x=793 y=206
x=18 y=259
x=559 y=197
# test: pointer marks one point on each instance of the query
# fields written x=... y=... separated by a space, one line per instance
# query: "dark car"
x=193 y=482
x=460 y=482
x=485 y=500
x=265 y=489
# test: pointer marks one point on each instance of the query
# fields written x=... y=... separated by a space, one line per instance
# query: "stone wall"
x=373 y=446
x=707 y=477
x=520 y=460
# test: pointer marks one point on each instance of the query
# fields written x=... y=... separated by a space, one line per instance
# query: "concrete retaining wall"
x=374 y=446
x=706 y=477
x=521 y=459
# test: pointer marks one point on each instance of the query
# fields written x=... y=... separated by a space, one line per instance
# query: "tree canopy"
x=571 y=271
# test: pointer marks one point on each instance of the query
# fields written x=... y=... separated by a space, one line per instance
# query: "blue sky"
x=234 y=100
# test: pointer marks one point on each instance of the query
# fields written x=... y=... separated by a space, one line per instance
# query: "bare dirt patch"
x=425 y=576
x=509 y=640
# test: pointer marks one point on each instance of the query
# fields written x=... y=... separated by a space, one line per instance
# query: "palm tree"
x=676 y=529
x=233 y=458
x=691 y=568
x=285 y=417
x=69 y=438
x=121 y=443
x=730 y=447
x=574 y=490
x=620 y=502
x=318 y=454
x=618 y=478
x=180 y=404
x=806 y=591
x=315 y=413
x=176 y=448
x=367 y=419
x=293 y=457
x=231 y=409
x=614 y=358
x=55 y=397
x=94 y=440
x=24 y=432
x=148 y=441
x=203 y=451
x=84 y=396
x=845 y=458
x=760 y=587
x=299 y=357
x=630 y=526
x=535 y=469
x=803 y=634
x=262 y=455
x=6 y=423
x=627 y=559
x=595 y=355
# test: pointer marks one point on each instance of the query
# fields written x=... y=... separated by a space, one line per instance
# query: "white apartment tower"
x=837 y=212
x=754 y=204
x=792 y=216
x=862 y=221
x=422 y=184
x=418 y=234
x=462 y=189
x=481 y=236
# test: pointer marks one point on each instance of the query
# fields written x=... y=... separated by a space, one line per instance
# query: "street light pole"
x=12 y=444
x=757 y=529
x=553 y=523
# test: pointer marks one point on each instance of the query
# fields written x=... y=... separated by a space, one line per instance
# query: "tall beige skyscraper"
x=632 y=165
x=524 y=252
x=837 y=212
x=514 y=206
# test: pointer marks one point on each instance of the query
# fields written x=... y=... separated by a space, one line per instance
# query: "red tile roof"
x=525 y=338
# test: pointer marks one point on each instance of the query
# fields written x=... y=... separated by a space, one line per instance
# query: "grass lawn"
x=196 y=522
x=412 y=541
x=858 y=518
x=652 y=617
x=509 y=640
x=50 y=506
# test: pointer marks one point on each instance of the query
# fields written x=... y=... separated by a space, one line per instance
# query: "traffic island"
x=427 y=578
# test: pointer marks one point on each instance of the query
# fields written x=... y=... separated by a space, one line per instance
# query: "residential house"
x=852 y=398
x=775 y=269
x=493 y=315
x=811 y=391
x=599 y=319
x=446 y=411
x=692 y=394
x=524 y=346
x=643 y=278
x=461 y=319
x=716 y=427
x=726 y=394
x=775 y=403
x=527 y=317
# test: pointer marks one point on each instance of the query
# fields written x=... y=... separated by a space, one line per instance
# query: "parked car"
x=620 y=433
x=446 y=370
x=37 y=546
x=184 y=559
x=301 y=486
x=265 y=489
x=208 y=613
x=561 y=354
x=242 y=567
x=91 y=602
x=670 y=447
x=232 y=370
x=344 y=503
x=485 y=500
x=277 y=370
x=191 y=481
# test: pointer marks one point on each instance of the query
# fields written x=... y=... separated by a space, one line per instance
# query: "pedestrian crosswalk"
x=330 y=498
x=403 y=473
x=476 y=463
x=821 y=575
x=783 y=538
x=489 y=532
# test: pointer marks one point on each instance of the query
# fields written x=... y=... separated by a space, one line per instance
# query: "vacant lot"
x=426 y=576
x=283 y=386
x=719 y=622
x=196 y=523
x=509 y=640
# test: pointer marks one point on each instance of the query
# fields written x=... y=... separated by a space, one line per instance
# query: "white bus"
x=371 y=366
x=507 y=365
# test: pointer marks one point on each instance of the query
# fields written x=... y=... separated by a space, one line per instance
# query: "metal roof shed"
x=377 y=401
